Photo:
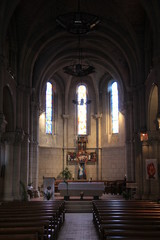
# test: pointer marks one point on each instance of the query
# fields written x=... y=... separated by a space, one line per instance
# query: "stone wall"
x=50 y=163
x=113 y=163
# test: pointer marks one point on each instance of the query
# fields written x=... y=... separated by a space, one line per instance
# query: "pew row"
x=40 y=218
x=127 y=219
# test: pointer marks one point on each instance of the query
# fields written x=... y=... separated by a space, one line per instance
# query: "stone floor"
x=104 y=196
x=78 y=226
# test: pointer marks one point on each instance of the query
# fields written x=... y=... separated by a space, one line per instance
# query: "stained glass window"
x=114 y=108
x=82 y=110
x=49 y=96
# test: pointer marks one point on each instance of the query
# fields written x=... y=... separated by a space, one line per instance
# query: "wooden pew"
x=19 y=237
x=119 y=219
x=23 y=230
x=28 y=214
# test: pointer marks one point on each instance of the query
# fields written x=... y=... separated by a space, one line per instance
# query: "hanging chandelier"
x=81 y=102
x=79 y=69
x=78 y=22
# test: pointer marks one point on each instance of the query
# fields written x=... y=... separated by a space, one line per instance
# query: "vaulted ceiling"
x=116 y=47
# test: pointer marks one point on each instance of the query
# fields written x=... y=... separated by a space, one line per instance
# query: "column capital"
x=13 y=137
x=27 y=137
x=97 y=116
x=65 y=116
x=8 y=137
x=3 y=123
x=19 y=135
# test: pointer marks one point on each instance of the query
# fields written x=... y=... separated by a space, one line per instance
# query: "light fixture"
x=79 y=69
x=78 y=22
x=143 y=135
x=81 y=102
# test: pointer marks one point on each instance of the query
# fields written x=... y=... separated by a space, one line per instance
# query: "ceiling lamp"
x=81 y=102
x=78 y=22
x=79 y=69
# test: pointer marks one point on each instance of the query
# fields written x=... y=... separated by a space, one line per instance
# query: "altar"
x=95 y=189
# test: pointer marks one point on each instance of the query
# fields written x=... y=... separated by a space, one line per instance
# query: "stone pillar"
x=33 y=160
x=25 y=160
x=138 y=166
x=65 y=137
x=2 y=68
x=98 y=145
x=2 y=155
x=9 y=139
x=156 y=62
x=25 y=121
x=129 y=141
x=19 y=135
x=145 y=187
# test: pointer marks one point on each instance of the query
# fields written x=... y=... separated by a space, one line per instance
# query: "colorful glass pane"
x=114 y=107
x=49 y=103
x=82 y=110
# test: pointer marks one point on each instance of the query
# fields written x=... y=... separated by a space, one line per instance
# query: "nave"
x=78 y=226
x=109 y=219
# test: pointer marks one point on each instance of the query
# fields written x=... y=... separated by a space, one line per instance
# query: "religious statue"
x=82 y=158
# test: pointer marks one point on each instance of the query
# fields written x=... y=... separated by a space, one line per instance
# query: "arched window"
x=49 y=107
x=82 y=110
x=114 y=108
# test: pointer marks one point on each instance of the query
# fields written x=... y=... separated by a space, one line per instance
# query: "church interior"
x=79 y=95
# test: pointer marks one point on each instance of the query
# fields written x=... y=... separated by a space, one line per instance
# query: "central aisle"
x=78 y=226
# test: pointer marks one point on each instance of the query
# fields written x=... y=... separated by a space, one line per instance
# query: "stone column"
x=129 y=141
x=156 y=62
x=25 y=121
x=2 y=155
x=25 y=160
x=9 y=139
x=65 y=137
x=2 y=70
x=19 y=135
x=98 y=145
x=33 y=161
x=145 y=189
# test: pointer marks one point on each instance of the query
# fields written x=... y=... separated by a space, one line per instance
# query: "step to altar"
x=78 y=206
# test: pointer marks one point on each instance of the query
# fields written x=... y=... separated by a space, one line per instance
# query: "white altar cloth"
x=76 y=188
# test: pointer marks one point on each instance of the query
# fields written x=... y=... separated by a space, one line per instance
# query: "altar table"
x=94 y=189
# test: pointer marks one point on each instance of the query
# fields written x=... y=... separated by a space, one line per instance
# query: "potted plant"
x=65 y=175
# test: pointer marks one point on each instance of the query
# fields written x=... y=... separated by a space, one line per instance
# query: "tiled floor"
x=78 y=226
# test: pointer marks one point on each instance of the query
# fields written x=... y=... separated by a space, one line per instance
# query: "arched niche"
x=8 y=109
x=153 y=108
